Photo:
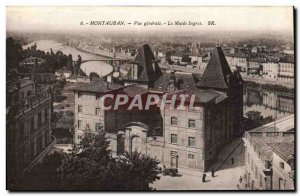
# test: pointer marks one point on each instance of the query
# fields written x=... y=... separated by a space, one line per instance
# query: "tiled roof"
x=201 y=96
x=94 y=86
x=205 y=96
x=184 y=81
x=134 y=90
x=216 y=72
x=263 y=143
x=284 y=149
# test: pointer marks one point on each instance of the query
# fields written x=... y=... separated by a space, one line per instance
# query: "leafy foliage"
x=90 y=166
x=134 y=172
x=255 y=119
x=94 y=75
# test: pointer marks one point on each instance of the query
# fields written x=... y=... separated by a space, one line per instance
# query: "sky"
x=68 y=18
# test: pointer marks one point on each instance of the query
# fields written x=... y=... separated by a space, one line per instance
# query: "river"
x=269 y=102
x=100 y=67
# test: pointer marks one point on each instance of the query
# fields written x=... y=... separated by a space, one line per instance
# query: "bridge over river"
x=109 y=60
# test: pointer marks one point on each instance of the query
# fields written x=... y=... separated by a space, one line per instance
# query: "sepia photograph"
x=150 y=98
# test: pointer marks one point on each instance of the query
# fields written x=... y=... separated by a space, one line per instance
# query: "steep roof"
x=148 y=70
x=216 y=72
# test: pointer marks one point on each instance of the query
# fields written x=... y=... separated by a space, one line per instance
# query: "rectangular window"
x=191 y=156
x=79 y=109
x=174 y=120
x=79 y=124
x=97 y=111
x=192 y=123
x=192 y=141
x=79 y=94
x=173 y=138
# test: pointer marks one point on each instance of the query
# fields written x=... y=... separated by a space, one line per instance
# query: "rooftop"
x=216 y=72
x=284 y=149
x=148 y=69
x=184 y=81
x=263 y=143
x=273 y=137
x=201 y=96
x=99 y=86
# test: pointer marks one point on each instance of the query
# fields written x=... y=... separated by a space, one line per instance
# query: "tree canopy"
x=91 y=166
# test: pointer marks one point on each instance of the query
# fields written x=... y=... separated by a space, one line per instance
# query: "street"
x=226 y=177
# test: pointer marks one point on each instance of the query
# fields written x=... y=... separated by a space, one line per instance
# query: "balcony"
x=31 y=102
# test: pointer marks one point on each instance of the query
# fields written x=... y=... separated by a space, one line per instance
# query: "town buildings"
x=281 y=70
x=237 y=62
x=176 y=136
x=269 y=156
x=28 y=117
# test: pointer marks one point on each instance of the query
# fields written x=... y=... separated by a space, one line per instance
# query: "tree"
x=14 y=53
x=85 y=168
x=134 y=172
x=254 y=115
x=255 y=119
x=70 y=62
x=90 y=166
x=94 y=75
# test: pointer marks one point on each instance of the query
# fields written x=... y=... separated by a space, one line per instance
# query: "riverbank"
x=275 y=85
x=272 y=87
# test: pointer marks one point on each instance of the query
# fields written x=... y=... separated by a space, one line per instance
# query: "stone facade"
x=28 y=124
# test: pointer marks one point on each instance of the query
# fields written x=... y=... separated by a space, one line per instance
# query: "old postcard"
x=150 y=98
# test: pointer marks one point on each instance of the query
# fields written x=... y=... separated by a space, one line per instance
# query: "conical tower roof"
x=217 y=73
x=148 y=68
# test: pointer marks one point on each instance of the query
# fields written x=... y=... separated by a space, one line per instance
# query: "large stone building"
x=177 y=136
x=28 y=117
